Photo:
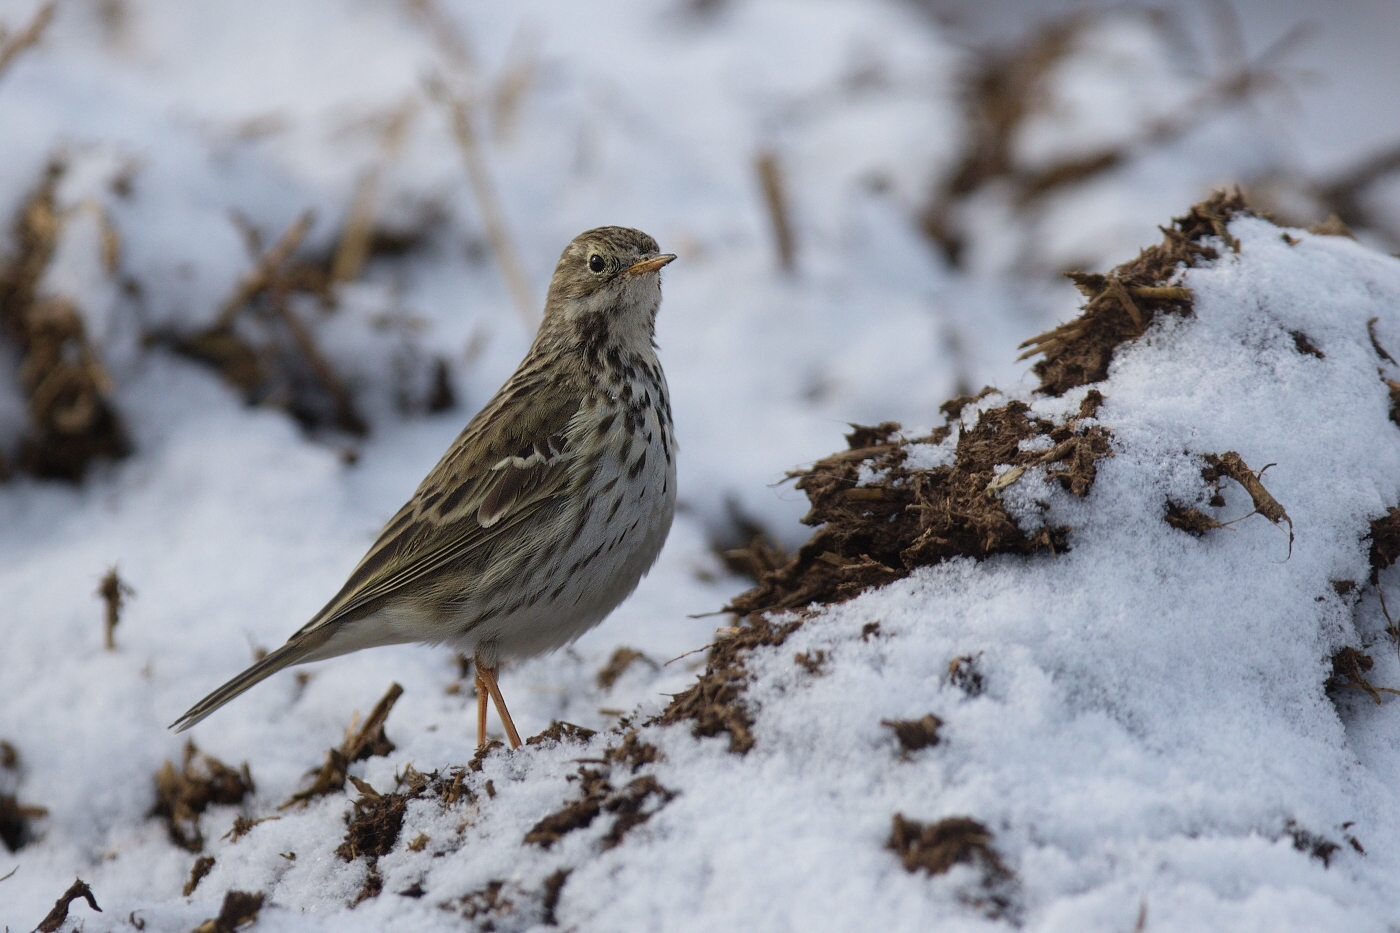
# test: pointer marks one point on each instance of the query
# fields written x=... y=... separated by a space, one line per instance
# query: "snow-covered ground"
x=1152 y=735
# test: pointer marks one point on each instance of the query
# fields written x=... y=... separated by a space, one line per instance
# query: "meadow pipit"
x=548 y=508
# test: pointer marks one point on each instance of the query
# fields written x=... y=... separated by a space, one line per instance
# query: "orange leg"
x=488 y=676
x=480 y=710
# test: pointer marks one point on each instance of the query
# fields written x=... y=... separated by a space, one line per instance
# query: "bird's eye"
x=596 y=263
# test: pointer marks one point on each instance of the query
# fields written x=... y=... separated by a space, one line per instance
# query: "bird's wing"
x=512 y=460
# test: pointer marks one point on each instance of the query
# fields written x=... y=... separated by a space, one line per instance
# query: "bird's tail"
x=293 y=652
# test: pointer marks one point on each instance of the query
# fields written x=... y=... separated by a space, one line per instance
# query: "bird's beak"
x=650 y=265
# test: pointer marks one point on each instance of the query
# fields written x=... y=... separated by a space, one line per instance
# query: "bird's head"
x=607 y=286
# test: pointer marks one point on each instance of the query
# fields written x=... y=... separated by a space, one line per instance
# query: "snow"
x=1153 y=714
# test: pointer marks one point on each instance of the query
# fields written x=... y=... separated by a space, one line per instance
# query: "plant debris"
x=181 y=796
x=485 y=904
x=632 y=751
x=1385 y=542
x=714 y=702
x=59 y=915
x=113 y=591
x=1124 y=303
x=1318 y=847
x=1190 y=520
x=15 y=817
x=746 y=547
x=366 y=741
x=239 y=909
x=71 y=418
x=914 y=734
x=374 y=825
x=1349 y=668
x=965 y=673
x=202 y=867
x=559 y=732
x=630 y=805
x=813 y=662
x=617 y=665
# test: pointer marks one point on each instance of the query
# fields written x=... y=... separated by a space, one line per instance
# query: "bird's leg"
x=480 y=709
x=488 y=676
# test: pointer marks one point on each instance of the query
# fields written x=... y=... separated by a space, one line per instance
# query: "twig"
x=26 y=37
x=265 y=272
x=492 y=216
x=345 y=415
x=770 y=176
x=359 y=226
x=113 y=591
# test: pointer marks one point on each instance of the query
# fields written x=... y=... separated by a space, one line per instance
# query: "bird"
x=545 y=512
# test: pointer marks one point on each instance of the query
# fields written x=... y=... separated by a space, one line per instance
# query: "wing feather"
x=510 y=462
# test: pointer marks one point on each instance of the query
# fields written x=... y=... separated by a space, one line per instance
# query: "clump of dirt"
x=202 y=866
x=553 y=888
x=15 y=817
x=813 y=662
x=72 y=420
x=113 y=591
x=875 y=532
x=965 y=673
x=935 y=848
x=745 y=546
x=1318 y=847
x=486 y=904
x=622 y=659
x=632 y=806
x=511 y=905
x=374 y=824
x=714 y=703
x=632 y=751
x=1385 y=542
x=1123 y=304
x=560 y=732
x=239 y=909
x=1349 y=667
x=55 y=918
x=362 y=741
x=915 y=734
x=202 y=781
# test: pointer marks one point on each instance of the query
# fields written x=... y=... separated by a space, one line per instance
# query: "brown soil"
x=622 y=659
x=631 y=807
x=1124 y=303
x=202 y=781
x=1385 y=542
x=874 y=534
x=914 y=734
x=202 y=866
x=956 y=840
x=1349 y=667
x=559 y=732
x=59 y=915
x=1315 y=846
x=375 y=822
x=239 y=909
x=965 y=673
x=366 y=741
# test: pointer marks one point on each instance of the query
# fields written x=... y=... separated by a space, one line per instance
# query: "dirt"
x=813 y=662
x=1385 y=542
x=934 y=848
x=1349 y=667
x=365 y=741
x=1318 y=847
x=553 y=888
x=1122 y=305
x=374 y=824
x=113 y=591
x=15 y=819
x=915 y=734
x=874 y=534
x=714 y=704
x=240 y=909
x=72 y=419
x=631 y=806
x=965 y=673
x=632 y=751
x=622 y=659
x=202 y=866
x=560 y=732
x=55 y=918
x=202 y=781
